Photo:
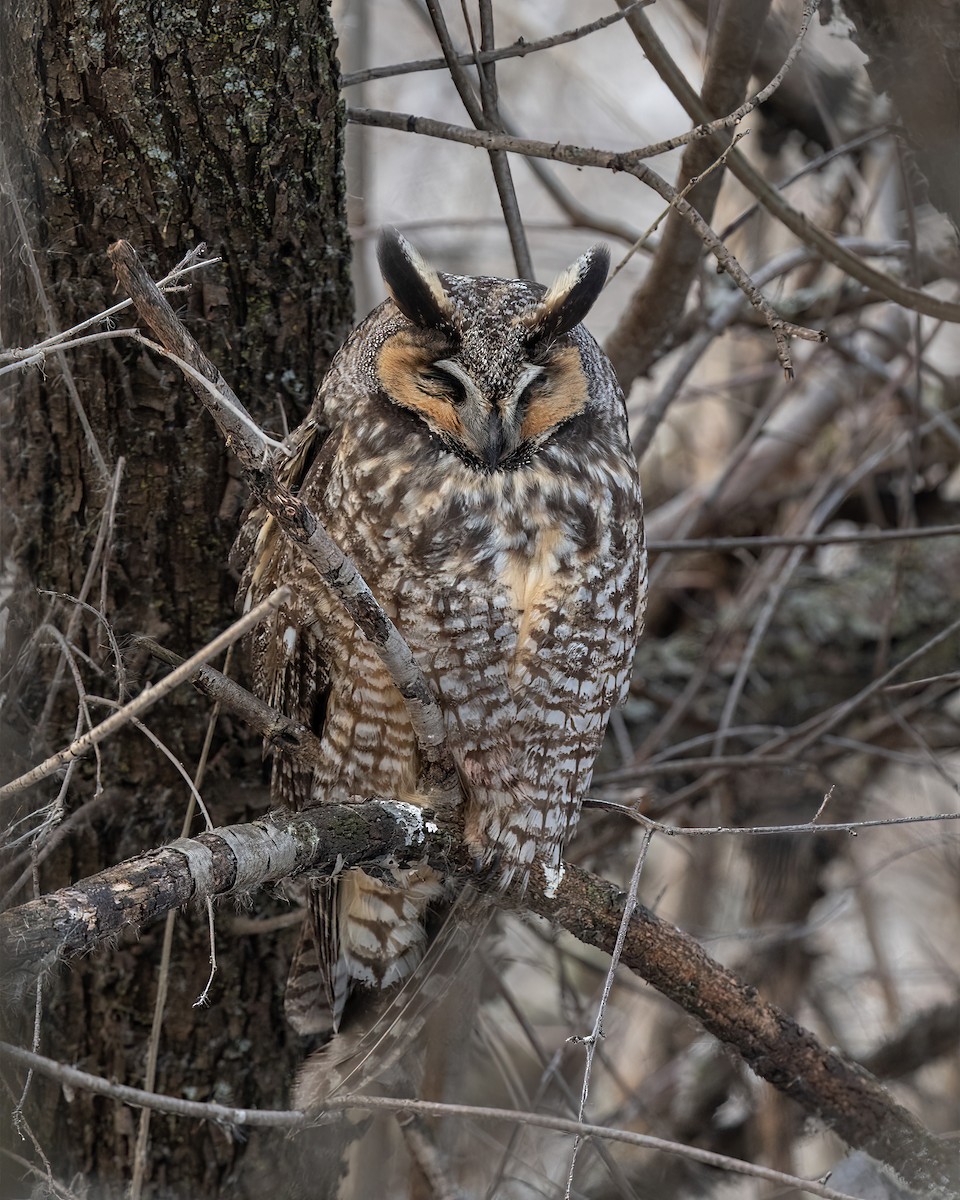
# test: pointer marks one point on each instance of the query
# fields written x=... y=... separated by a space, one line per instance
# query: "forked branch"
x=296 y=520
x=629 y=162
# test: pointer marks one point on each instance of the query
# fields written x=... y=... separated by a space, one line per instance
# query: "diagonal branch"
x=483 y=113
x=517 y=49
x=238 y=858
x=771 y=199
x=706 y=129
x=298 y=523
x=650 y=316
x=280 y=732
x=147 y=698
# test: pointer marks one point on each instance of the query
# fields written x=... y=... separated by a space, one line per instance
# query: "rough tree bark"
x=166 y=123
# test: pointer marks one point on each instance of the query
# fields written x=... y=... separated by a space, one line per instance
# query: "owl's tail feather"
x=381 y=1042
x=314 y=995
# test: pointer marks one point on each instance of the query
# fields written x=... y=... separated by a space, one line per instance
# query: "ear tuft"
x=414 y=285
x=571 y=295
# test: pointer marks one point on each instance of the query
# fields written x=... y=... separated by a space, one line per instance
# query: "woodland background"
x=767 y=680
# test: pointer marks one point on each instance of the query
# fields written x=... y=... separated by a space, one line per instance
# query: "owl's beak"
x=496 y=441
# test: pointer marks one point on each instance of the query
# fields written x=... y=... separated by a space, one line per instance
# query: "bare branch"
x=518 y=49
x=231 y=859
x=773 y=201
x=595 y=1035
x=706 y=129
x=769 y=541
x=147 y=698
x=626 y=161
x=190 y=262
x=483 y=113
x=803 y=827
x=772 y=1044
x=298 y=523
x=236 y=858
x=648 y=320
x=292 y=1119
x=283 y=734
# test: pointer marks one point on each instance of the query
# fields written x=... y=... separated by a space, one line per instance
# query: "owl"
x=468 y=450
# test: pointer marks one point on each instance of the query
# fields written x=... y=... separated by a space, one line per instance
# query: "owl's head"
x=492 y=367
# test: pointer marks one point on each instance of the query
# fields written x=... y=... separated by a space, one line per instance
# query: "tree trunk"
x=167 y=124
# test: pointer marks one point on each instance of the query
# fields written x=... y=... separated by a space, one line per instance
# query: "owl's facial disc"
x=486 y=364
x=492 y=428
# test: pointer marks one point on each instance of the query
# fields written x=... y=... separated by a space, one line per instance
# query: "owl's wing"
x=574 y=667
x=310 y=1000
x=289 y=667
x=287 y=653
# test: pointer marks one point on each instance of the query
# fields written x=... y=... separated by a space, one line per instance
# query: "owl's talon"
x=486 y=864
x=490 y=868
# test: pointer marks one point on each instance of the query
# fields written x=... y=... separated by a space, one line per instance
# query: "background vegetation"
x=801 y=659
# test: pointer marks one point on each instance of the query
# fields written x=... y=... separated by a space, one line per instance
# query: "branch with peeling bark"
x=236 y=859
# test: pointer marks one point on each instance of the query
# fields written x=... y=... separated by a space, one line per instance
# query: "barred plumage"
x=468 y=449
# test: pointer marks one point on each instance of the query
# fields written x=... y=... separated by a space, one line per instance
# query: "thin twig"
x=30 y=258
x=291 y=1119
x=163 y=974
x=56 y=1188
x=798 y=223
x=483 y=113
x=517 y=49
x=708 y=128
x=147 y=698
x=100 y=554
x=550 y=1073
x=18 y=357
x=851 y=828
x=681 y=195
x=591 y=1042
x=769 y=541
x=282 y=734
x=854 y=143
x=723 y=314
x=625 y=161
x=490 y=98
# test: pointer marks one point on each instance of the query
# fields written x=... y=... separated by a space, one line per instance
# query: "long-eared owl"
x=468 y=450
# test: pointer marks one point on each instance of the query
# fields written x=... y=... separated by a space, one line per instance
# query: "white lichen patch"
x=410 y=817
